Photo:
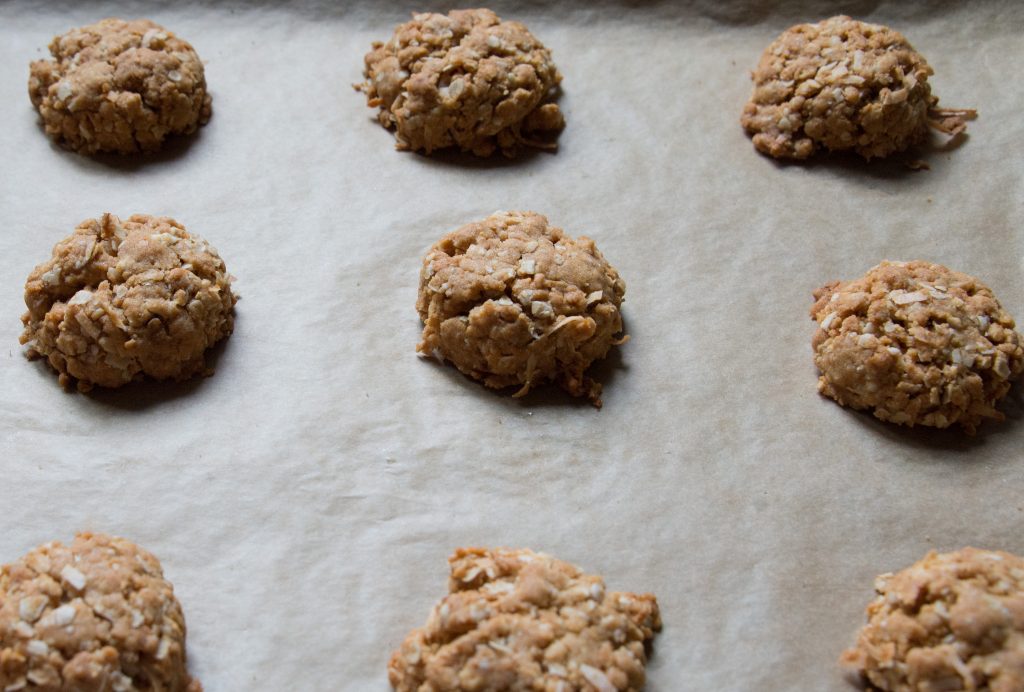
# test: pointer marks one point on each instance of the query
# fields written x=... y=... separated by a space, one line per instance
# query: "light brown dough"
x=118 y=86
x=916 y=344
x=519 y=620
x=843 y=85
x=513 y=301
x=123 y=299
x=466 y=79
x=95 y=616
x=952 y=621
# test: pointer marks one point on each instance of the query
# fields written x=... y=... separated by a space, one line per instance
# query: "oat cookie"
x=519 y=620
x=466 y=79
x=94 y=616
x=952 y=621
x=916 y=344
x=513 y=301
x=123 y=299
x=843 y=85
x=118 y=86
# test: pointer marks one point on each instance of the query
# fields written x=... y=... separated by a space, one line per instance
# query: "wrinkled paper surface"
x=304 y=499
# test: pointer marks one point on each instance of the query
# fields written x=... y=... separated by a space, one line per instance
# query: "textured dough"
x=846 y=86
x=123 y=299
x=952 y=621
x=118 y=86
x=95 y=616
x=519 y=620
x=512 y=301
x=916 y=344
x=466 y=79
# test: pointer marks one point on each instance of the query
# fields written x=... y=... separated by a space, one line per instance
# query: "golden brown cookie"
x=123 y=299
x=519 y=620
x=916 y=343
x=513 y=301
x=952 y=621
x=843 y=85
x=466 y=79
x=95 y=616
x=118 y=86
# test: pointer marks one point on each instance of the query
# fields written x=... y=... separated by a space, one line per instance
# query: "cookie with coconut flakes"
x=520 y=620
x=515 y=302
x=467 y=79
x=124 y=299
x=916 y=343
x=96 y=615
x=951 y=621
x=119 y=86
x=843 y=85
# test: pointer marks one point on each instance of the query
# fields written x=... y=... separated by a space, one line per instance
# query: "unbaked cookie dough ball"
x=916 y=344
x=95 y=616
x=843 y=85
x=123 y=299
x=952 y=621
x=513 y=301
x=519 y=620
x=118 y=86
x=466 y=79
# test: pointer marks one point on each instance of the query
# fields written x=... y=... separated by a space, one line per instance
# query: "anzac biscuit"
x=952 y=621
x=95 y=616
x=519 y=620
x=917 y=344
x=513 y=301
x=123 y=299
x=843 y=85
x=118 y=86
x=467 y=80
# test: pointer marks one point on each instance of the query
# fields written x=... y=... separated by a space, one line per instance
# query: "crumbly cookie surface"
x=952 y=621
x=513 y=301
x=842 y=85
x=94 y=616
x=916 y=344
x=119 y=86
x=519 y=620
x=120 y=300
x=466 y=79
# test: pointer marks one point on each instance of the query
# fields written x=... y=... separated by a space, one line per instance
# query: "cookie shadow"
x=453 y=158
x=146 y=393
x=173 y=149
x=547 y=395
x=951 y=439
x=911 y=165
x=550 y=394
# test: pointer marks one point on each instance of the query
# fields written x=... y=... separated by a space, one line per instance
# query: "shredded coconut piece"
x=903 y=298
x=73 y=577
x=597 y=678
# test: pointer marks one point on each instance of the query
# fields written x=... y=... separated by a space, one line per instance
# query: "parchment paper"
x=304 y=499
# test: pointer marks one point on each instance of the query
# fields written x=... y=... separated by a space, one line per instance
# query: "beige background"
x=304 y=499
